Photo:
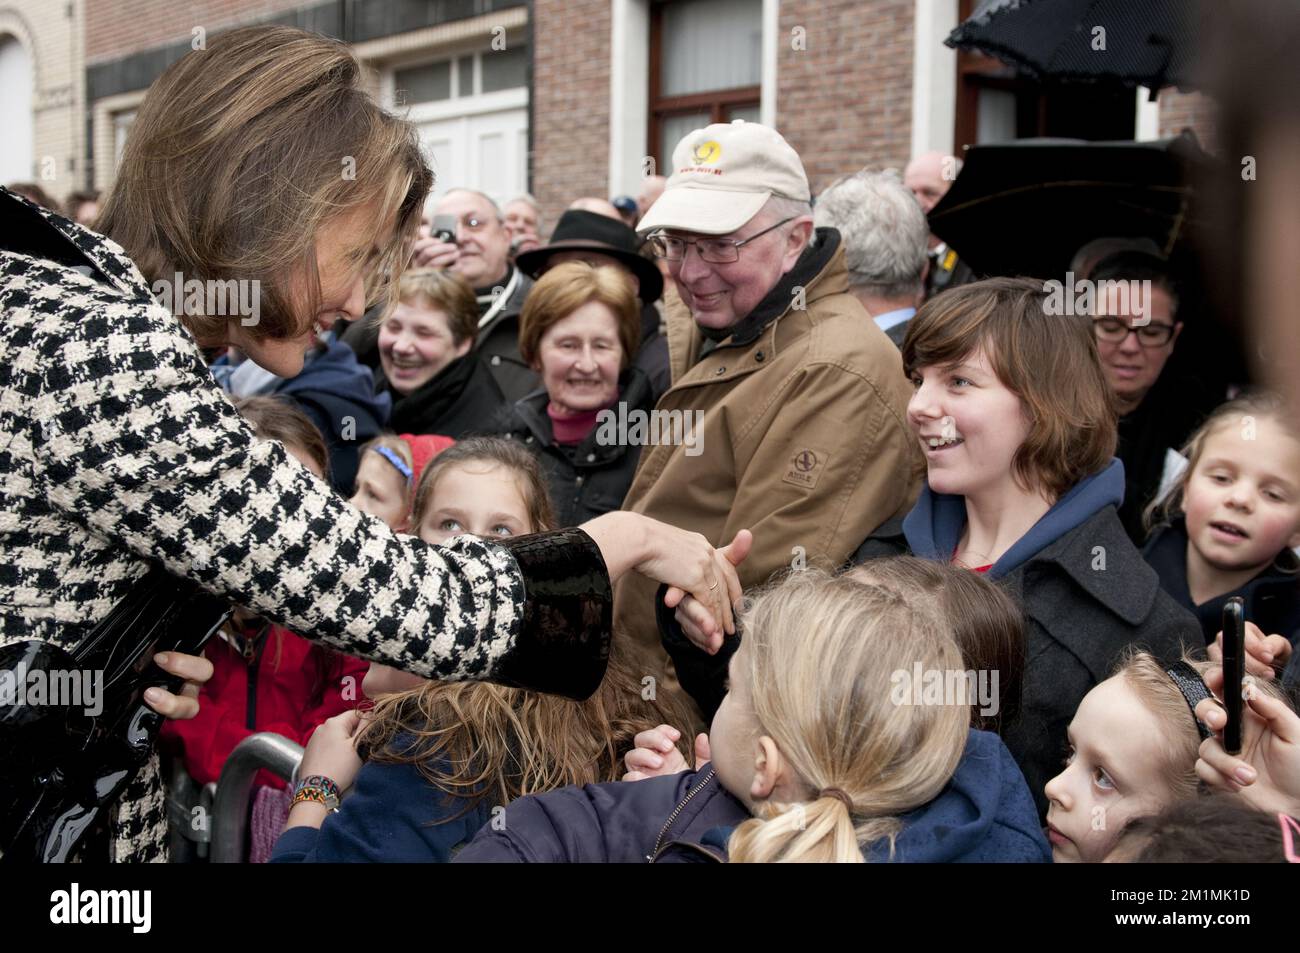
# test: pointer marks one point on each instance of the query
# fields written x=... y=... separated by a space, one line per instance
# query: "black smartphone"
x=1234 y=660
x=443 y=228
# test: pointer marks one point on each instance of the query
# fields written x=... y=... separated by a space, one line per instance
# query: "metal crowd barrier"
x=264 y=750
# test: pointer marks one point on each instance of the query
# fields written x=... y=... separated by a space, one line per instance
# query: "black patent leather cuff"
x=563 y=642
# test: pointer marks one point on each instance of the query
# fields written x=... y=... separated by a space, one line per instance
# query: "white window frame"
x=934 y=77
x=629 y=88
x=471 y=105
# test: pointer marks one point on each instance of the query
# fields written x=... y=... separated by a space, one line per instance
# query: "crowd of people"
x=985 y=548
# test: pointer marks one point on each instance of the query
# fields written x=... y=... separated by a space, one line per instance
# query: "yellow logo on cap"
x=707 y=153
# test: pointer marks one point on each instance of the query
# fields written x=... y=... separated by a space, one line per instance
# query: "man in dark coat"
x=929 y=176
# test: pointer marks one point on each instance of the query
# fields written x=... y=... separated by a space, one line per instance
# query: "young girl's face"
x=415 y=343
x=381 y=491
x=969 y=424
x=479 y=498
x=1242 y=498
x=1113 y=773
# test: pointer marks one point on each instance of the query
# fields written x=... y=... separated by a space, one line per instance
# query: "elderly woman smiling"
x=426 y=358
x=580 y=329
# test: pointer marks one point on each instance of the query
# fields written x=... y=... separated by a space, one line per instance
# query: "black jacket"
x=1086 y=598
x=593 y=477
x=1164 y=421
x=652 y=355
x=463 y=399
x=498 y=343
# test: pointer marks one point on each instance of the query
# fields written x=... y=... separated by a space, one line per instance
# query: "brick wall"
x=1188 y=110
x=846 y=100
x=570 y=102
x=117 y=28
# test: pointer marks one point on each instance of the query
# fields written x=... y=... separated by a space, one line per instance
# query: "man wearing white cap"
x=800 y=398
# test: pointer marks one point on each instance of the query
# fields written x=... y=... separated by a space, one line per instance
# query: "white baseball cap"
x=722 y=175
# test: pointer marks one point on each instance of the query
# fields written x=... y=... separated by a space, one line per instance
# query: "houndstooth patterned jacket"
x=117 y=447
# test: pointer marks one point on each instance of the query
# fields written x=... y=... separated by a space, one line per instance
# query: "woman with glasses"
x=1137 y=328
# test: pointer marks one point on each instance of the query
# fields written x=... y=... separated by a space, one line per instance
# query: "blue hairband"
x=396 y=461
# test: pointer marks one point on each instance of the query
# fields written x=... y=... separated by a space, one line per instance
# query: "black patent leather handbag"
x=74 y=727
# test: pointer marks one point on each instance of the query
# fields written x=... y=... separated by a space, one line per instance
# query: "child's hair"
x=274 y=418
x=494 y=450
x=1150 y=681
x=473 y=740
x=1212 y=829
x=447 y=292
x=1049 y=362
x=403 y=451
x=988 y=626
x=1250 y=405
x=820 y=659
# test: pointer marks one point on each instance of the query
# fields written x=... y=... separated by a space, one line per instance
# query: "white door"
x=485 y=151
x=16 y=145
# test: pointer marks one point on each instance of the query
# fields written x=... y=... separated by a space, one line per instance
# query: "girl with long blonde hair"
x=441 y=758
x=844 y=738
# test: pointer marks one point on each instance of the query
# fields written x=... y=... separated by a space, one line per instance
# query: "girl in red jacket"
x=265 y=678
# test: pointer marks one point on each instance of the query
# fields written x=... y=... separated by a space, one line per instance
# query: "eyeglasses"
x=1114 y=331
x=715 y=251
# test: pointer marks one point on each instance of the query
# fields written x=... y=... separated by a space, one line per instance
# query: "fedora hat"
x=578 y=230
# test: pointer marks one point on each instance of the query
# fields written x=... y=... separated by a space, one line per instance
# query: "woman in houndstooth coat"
x=258 y=160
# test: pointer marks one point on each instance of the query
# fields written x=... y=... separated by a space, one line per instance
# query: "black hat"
x=578 y=230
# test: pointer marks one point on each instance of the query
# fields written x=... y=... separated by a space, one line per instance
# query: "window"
x=705 y=65
x=996 y=104
x=453 y=78
x=424 y=84
x=471 y=109
x=504 y=69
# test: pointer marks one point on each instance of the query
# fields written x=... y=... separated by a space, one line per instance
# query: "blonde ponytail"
x=821 y=662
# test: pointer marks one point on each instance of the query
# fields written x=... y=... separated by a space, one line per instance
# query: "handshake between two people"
x=703 y=588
